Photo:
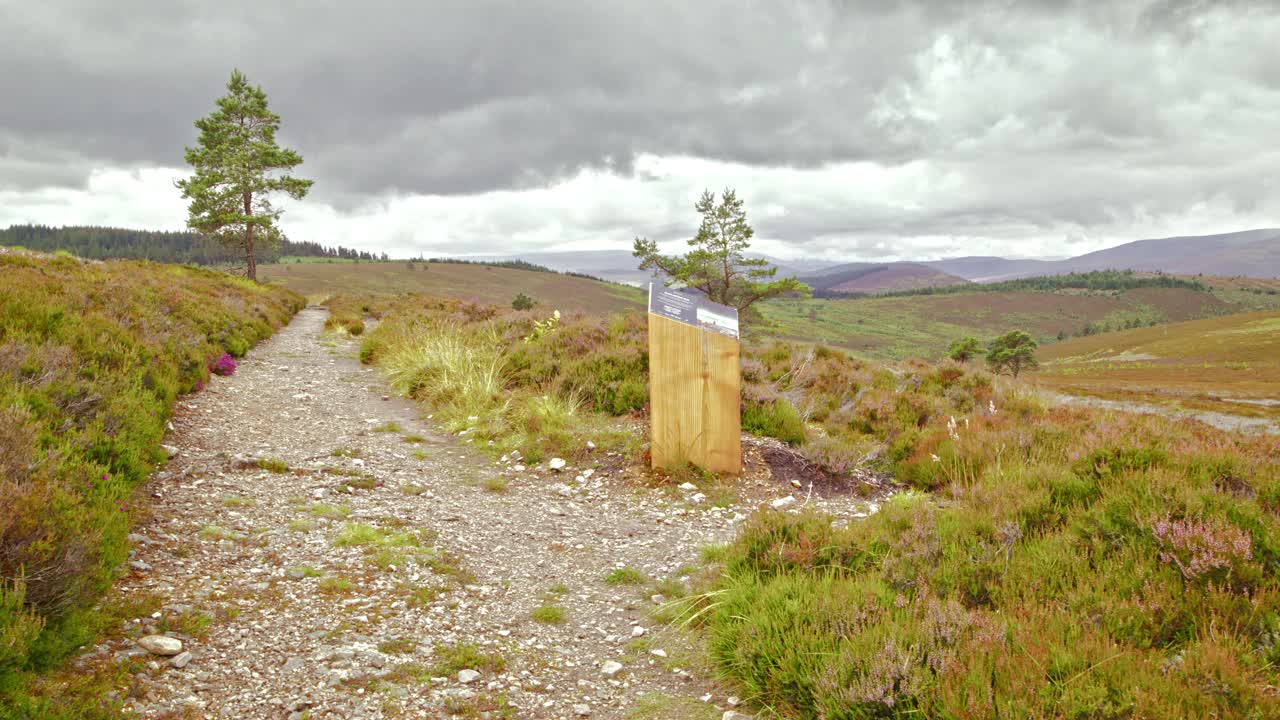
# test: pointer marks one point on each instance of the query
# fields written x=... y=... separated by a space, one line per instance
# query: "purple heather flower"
x=225 y=365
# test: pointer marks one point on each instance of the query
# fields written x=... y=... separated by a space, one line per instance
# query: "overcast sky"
x=855 y=130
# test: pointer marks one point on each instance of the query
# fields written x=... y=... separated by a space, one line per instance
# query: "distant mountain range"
x=1251 y=253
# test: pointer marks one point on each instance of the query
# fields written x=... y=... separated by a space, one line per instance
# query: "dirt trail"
x=1222 y=421
x=304 y=626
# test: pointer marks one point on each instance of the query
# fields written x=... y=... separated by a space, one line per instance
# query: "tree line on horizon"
x=187 y=248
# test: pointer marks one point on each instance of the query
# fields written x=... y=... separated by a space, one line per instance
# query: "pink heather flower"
x=225 y=365
x=1198 y=547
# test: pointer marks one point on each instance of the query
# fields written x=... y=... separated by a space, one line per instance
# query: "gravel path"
x=335 y=589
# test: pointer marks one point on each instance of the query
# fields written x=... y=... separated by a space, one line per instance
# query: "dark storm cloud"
x=1033 y=117
x=467 y=96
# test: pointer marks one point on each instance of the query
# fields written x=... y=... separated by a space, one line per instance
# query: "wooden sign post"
x=694 y=382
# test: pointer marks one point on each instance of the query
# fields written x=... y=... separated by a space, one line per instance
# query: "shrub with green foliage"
x=964 y=349
x=522 y=302
x=1012 y=353
x=92 y=358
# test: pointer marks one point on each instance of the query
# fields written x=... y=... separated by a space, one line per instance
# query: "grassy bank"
x=1052 y=563
x=92 y=358
x=480 y=283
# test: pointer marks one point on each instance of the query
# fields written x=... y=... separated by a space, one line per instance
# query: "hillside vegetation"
x=479 y=283
x=92 y=358
x=1048 y=562
x=1225 y=364
x=1059 y=564
x=922 y=323
x=872 y=279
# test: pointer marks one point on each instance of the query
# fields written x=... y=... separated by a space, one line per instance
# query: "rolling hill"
x=922 y=325
x=1251 y=253
x=1227 y=364
x=870 y=279
x=484 y=283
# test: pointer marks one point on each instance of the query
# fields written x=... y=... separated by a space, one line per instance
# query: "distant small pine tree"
x=523 y=302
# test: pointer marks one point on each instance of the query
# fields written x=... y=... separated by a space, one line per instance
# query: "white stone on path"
x=160 y=644
x=468 y=676
x=611 y=668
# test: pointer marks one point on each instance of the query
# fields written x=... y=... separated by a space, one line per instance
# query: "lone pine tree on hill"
x=237 y=165
x=717 y=265
x=1012 y=353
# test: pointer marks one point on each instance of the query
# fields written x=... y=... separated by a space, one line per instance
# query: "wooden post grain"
x=695 y=386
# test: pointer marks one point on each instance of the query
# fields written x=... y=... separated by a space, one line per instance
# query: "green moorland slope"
x=1228 y=364
x=482 y=283
x=92 y=357
x=923 y=324
x=1048 y=562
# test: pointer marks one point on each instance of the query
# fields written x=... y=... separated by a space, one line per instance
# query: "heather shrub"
x=1065 y=563
x=92 y=357
x=224 y=366
x=776 y=419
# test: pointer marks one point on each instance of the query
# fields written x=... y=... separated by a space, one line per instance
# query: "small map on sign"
x=692 y=308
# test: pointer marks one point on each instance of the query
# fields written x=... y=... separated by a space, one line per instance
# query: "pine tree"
x=717 y=264
x=237 y=165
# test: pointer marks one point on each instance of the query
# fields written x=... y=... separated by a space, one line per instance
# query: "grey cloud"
x=1056 y=113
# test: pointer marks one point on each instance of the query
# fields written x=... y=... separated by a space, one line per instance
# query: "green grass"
x=549 y=614
x=388 y=427
x=238 y=501
x=275 y=465
x=336 y=585
x=360 y=534
x=329 y=511
x=449 y=659
x=625 y=576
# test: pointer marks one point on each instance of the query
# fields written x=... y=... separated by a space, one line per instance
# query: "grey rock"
x=468 y=676
x=160 y=644
x=783 y=502
x=611 y=668
x=140 y=565
x=180 y=660
x=735 y=715
x=582 y=710
x=169 y=450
